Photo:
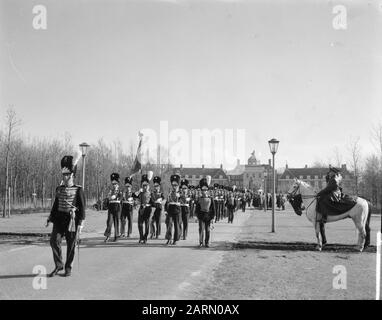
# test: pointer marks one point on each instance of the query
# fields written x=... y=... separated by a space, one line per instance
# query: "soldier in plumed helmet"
x=114 y=207
x=67 y=216
x=173 y=210
x=144 y=212
x=185 y=200
x=157 y=198
x=127 y=208
x=205 y=211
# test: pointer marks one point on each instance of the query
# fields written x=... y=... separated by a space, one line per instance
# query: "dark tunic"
x=66 y=199
x=331 y=200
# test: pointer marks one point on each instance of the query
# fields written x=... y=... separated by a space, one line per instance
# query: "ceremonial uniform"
x=331 y=200
x=157 y=198
x=114 y=208
x=67 y=214
x=192 y=201
x=243 y=202
x=216 y=199
x=173 y=211
x=205 y=211
x=127 y=208
x=230 y=204
x=220 y=207
x=144 y=212
x=185 y=201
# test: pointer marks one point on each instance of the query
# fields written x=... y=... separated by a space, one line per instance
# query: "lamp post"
x=273 y=146
x=83 y=147
x=265 y=191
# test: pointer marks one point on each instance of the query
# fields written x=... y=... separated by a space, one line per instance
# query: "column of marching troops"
x=207 y=203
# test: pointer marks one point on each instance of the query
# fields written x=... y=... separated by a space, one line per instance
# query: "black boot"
x=68 y=272
x=55 y=272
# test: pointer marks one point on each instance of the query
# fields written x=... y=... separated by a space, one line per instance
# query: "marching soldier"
x=192 y=201
x=127 y=208
x=144 y=212
x=114 y=208
x=231 y=205
x=221 y=202
x=173 y=210
x=157 y=197
x=216 y=198
x=205 y=211
x=185 y=207
x=67 y=216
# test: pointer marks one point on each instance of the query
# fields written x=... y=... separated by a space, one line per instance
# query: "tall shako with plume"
x=114 y=207
x=67 y=215
x=69 y=165
x=127 y=208
x=173 y=210
x=205 y=211
x=144 y=212
x=157 y=198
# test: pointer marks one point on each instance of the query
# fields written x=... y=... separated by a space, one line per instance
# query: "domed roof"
x=252 y=159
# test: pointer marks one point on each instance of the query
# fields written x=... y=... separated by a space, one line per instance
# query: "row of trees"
x=31 y=170
x=367 y=171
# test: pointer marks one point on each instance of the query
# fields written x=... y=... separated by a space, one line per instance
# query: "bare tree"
x=337 y=157
x=377 y=139
x=354 y=149
x=12 y=123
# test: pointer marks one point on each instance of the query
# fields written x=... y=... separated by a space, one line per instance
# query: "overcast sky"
x=273 y=68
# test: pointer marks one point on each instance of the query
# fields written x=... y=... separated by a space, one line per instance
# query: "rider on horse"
x=331 y=200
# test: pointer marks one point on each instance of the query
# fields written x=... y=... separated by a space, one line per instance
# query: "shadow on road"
x=298 y=246
x=17 y=276
x=98 y=242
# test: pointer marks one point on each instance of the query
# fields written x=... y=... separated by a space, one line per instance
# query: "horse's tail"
x=367 y=224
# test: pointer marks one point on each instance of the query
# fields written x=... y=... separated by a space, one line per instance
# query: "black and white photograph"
x=203 y=152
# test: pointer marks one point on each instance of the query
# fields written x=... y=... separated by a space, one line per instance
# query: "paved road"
x=122 y=270
x=245 y=261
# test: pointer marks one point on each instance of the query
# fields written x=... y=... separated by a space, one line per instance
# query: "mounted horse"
x=302 y=197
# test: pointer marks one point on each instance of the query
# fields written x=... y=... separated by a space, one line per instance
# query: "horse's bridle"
x=296 y=200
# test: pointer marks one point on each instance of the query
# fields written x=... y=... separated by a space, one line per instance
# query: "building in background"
x=253 y=175
x=315 y=177
x=193 y=175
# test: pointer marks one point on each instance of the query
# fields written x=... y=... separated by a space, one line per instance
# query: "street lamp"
x=265 y=191
x=83 y=147
x=273 y=146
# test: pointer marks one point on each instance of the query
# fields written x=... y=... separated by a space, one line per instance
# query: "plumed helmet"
x=144 y=178
x=114 y=177
x=175 y=177
x=67 y=165
x=184 y=182
x=157 y=180
x=129 y=180
x=203 y=183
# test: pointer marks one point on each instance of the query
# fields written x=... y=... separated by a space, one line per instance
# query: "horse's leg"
x=361 y=234
x=322 y=231
x=318 y=236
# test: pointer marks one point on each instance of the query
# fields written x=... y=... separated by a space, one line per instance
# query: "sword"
x=77 y=240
